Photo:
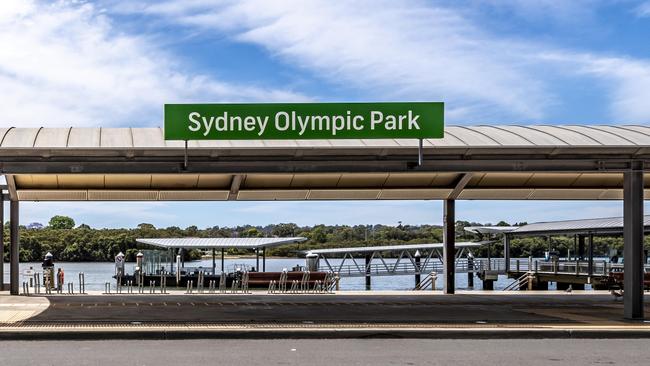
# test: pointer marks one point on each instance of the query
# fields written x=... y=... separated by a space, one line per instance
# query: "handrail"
x=516 y=284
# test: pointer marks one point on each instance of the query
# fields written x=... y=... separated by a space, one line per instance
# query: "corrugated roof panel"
x=3 y=132
x=148 y=137
x=569 y=225
x=84 y=138
x=635 y=137
x=502 y=135
x=20 y=137
x=207 y=243
x=52 y=137
x=471 y=137
x=116 y=137
x=414 y=194
x=455 y=136
x=605 y=138
x=537 y=137
x=351 y=143
x=272 y=195
x=571 y=137
x=314 y=143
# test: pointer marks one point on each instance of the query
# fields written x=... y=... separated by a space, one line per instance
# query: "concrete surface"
x=324 y=352
x=369 y=315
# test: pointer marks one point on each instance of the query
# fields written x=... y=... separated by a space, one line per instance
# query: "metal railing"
x=463 y=265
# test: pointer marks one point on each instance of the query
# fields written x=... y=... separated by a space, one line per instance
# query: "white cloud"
x=628 y=82
x=388 y=49
x=418 y=50
x=67 y=64
x=643 y=10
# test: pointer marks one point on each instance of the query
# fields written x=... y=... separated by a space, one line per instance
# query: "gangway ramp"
x=409 y=259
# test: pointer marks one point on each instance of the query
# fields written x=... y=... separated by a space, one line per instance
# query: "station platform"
x=344 y=314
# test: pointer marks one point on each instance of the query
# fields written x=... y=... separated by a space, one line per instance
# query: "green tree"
x=61 y=222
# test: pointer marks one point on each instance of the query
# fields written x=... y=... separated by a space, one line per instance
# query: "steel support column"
x=506 y=252
x=257 y=259
x=214 y=261
x=2 y=242
x=264 y=259
x=581 y=247
x=449 y=242
x=367 y=270
x=633 y=242
x=591 y=255
x=223 y=269
x=14 y=247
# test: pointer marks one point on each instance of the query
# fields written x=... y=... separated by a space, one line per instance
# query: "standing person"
x=60 y=277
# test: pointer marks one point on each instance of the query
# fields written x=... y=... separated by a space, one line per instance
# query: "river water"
x=98 y=273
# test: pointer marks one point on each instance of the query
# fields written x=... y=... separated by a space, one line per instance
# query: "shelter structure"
x=222 y=244
x=480 y=162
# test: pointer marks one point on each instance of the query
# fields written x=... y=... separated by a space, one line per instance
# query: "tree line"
x=71 y=243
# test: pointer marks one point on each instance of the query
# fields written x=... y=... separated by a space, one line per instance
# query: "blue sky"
x=114 y=63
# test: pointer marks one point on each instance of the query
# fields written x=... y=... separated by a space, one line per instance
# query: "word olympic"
x=293 y=122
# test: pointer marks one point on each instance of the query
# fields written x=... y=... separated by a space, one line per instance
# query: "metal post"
x=2 y=242
x=506 y=251
x=214 y=261
x=222 y=261
x=449 y=249
x=591 y=254
x=14 y=247
x=368 y=272
x=263 y=259
x=257 y=259
x=470 y=271
x=633 y=242
x=417 y=267
x=575 y=247
x=581 y=247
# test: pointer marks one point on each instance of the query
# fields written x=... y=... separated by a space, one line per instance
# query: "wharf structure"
x=470 y=163
x=579 y=267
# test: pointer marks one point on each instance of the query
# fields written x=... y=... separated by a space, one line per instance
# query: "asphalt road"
x=575 y=352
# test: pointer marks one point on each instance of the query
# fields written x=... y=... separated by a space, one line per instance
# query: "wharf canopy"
x=219 y=243
x=608 y=225
x=481 y=162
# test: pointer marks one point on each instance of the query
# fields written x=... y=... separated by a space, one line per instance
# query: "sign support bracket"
x=420 y=153
x=186 y=159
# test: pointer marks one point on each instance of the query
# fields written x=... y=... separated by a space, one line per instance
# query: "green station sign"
x=295 y=121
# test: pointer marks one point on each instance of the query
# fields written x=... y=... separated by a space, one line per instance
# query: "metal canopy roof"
x=455 y=136
x=490 y=229
x=392 y=248
x=219 y=243
x=609 y=225
x=480 y=162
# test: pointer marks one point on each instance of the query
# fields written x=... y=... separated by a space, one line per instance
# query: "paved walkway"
x=367 y=313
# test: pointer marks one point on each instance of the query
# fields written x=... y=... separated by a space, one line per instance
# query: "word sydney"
x=295 y=124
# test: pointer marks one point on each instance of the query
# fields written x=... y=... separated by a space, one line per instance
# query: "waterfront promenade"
x=350 y=314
